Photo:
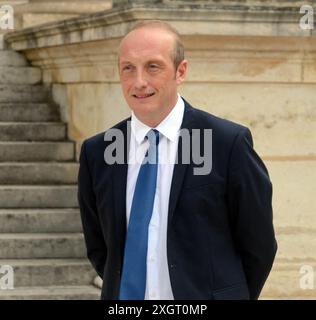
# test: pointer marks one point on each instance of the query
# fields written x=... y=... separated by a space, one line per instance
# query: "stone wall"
x=28 y=13
x=249 y=61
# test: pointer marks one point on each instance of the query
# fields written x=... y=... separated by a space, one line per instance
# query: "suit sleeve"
x=250 y=207
x=96 y=247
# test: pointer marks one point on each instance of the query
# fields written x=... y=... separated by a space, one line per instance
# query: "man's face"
x=147 y=73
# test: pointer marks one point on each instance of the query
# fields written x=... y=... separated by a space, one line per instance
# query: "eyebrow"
x=158 y=61
x=154 y=61
x=125 y=62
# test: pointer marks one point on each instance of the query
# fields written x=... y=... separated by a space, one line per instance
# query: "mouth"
x=143 y=95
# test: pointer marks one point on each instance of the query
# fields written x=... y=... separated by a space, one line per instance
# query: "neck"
x=154 y=119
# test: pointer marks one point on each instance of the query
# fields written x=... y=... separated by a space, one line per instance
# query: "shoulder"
x=223 y=128
x=93 y=147
x=98 y=140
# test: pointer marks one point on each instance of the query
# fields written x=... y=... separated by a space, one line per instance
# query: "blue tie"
x=133 y=280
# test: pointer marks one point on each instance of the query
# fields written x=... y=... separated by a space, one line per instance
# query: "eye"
x=127 y=67
x=153 y=66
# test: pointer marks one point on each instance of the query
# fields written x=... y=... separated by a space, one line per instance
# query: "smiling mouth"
x=143 y=96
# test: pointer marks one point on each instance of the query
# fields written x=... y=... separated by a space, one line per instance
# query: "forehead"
x=147 y=43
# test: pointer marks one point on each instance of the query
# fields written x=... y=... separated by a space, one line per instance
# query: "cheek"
x=126 y=84
x=166 y=81
x=160 y=83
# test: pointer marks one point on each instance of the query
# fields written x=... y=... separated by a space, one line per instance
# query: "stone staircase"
x=40 y=228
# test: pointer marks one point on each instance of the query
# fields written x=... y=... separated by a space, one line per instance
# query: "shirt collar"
x=168 y=127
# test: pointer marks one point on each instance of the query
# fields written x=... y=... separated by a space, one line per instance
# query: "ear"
x=181 y=71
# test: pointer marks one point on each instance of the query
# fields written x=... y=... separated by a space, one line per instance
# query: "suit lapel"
x=119 y=180
x=179 y=168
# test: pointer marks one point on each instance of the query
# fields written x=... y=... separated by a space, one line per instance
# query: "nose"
x=140 y=81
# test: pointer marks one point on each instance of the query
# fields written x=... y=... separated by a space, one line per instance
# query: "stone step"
x=51 y=272
x=23 y=220
x=42 y=245
x=36 y=151
x=29 y=196
x=44 y=173
x=20 y=75
x=23 y=93
x=52 y=293
x=12 y=58
x=27 y=112
x=38 y=131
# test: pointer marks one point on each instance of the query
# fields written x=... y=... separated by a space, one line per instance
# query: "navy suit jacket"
x=220 y=236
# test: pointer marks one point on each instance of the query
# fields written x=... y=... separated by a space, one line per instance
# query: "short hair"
x=178 y=53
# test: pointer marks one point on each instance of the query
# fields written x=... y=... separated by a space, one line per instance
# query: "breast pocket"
x=213 y=180
x=203 y=199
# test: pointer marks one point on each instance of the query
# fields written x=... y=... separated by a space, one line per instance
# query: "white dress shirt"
x=158 y=286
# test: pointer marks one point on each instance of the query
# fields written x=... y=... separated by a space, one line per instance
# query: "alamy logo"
x=6 y=277
x=196 y=149
x=307 y=20
x=307 y=279
x=6 y=17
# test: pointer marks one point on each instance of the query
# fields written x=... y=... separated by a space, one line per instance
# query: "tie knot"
x=153 y=137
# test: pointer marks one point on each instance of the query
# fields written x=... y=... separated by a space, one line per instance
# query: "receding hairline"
x=156 y=24
x=178 y=52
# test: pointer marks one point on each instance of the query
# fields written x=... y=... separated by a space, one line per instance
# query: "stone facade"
x=28 y=13
x=249 y=61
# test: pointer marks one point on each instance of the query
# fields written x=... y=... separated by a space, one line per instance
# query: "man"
x=158 y=229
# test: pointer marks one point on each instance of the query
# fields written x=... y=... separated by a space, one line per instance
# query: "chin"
x=143 y=104
x=144 y=108
x=142 y=111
